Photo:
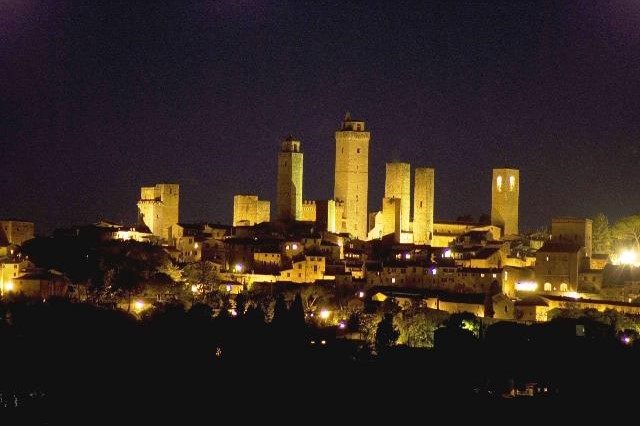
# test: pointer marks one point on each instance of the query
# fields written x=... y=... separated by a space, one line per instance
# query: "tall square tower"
x=398 y=185
x=423 y=203
x=352 y=177
x=505 y=192
x=289 y=191
x=158 y=208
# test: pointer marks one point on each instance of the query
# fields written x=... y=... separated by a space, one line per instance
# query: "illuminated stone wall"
x=309 y=211
x=158 y=208
x=248 y=210
x=289 y=185
x=391 y=217
x=15 y=231
x=397 y=184
x=423 y=204
x=505 y=193
x=575 y=230
x=352 y=176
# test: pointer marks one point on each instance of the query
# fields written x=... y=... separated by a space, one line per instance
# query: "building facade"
x=575 y=230
x=352 y=177
x=289 y=190
x=423 y=203
x=398 y=185
x=248 y=210
x=158 y=208
x=505 y=193
x=15 y=232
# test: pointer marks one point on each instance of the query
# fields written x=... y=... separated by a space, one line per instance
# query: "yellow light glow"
x=527 y=286
x=324 y=314
x=196 y=245
x=238 y=267
x=628 y=257
x=572 y=294
x=194 y=288
x=407 y=256
x=138 y=305
x=499 y=183
x=446 y=253
x=9 y=286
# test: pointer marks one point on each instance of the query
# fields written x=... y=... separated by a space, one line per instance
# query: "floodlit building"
x=248 y=210
x=575 y=230
x=15 y=232
x=352 y=177
x=423 y=204
x=398 y=185
x=158 y=208
x=289 y=190
x=505 y=192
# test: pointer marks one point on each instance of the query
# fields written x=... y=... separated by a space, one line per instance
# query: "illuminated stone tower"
x=398 y=185
x=158 y=208
x=352 y=177
x=289 y=195
x=505 y=191
x=248 y=210
x=423 y=201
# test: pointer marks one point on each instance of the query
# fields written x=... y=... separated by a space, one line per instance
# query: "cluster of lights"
x=526 y=286
x=628 y=257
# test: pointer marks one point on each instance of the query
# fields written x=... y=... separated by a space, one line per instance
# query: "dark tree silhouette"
x=386 y=334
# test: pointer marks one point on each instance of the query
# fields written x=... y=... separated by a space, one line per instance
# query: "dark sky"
x=97 y=100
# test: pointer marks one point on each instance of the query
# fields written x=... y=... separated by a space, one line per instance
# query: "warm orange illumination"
x=138 y=305
x=9 y=286
x=324 y=314
x=527 y=286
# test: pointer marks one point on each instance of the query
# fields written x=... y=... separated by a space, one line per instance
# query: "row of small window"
x=549 y=287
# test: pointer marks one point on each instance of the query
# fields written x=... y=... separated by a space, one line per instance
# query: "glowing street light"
x=324 y=314
x=9 y=286
x=238 y=267
x=138 y=305
x=628 y=257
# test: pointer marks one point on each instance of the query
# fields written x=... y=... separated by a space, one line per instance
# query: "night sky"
x=97 y=100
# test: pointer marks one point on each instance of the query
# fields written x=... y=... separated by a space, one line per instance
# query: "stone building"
x=289 y=189
x=248 y=210
x=575 y=230
x=352 y=177
x=158 y=208
x=398 y=185
x=423 y=204
x=15 y=232
x=505 y=192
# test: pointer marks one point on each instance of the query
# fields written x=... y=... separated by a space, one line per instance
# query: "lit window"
x=512 y=183
x=499 y=183
x=295 y=247
x=563 y=287
x=433 y=271
x=547 y=286
x=393 y=280
x=482 y=275
x=495 y=275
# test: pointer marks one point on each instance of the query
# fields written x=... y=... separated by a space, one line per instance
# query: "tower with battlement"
x=158 y=208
